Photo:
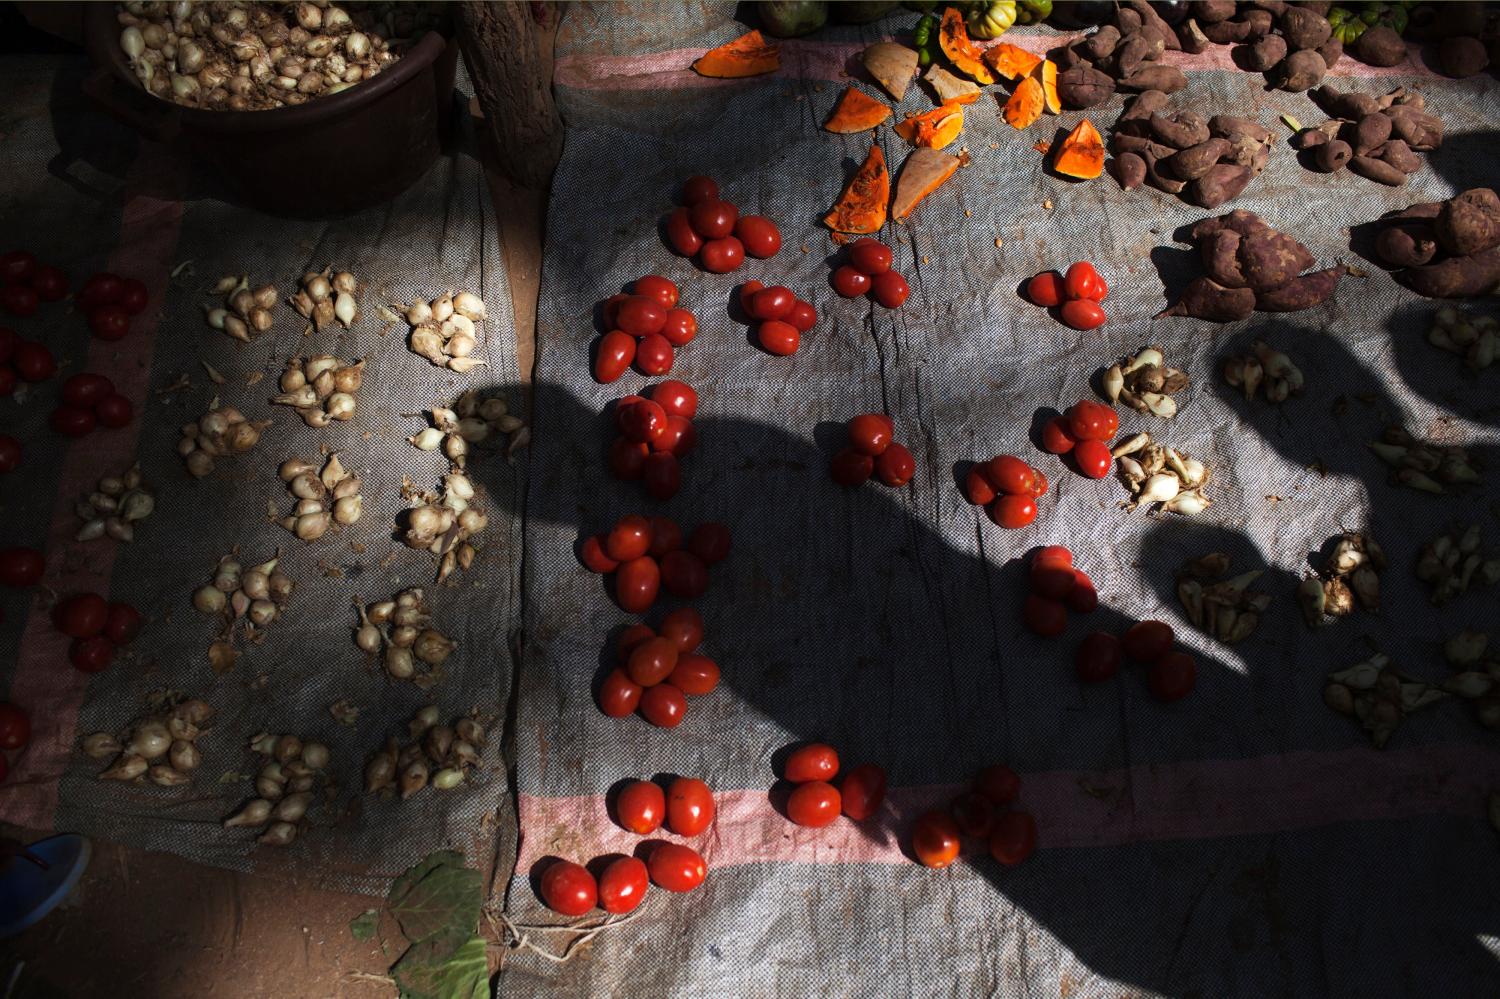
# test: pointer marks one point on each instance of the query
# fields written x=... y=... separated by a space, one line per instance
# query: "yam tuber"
x=1213 y=11
x=1380 y=46
x=1167 y=79
x=1371 y=131
x=1377 y=170
x=1204 y=298
x=1455 y=277
x=1352 y=105
x=1301 y=71
x=1462 y=57
x=1301 y=292
x=1331 y=51
x=1406 y=245
x=1084 y=87
x=1420 y=130
x=1399 y=155
x=1225 y=32
x=1143 y=106
x=1100 y=45
x=1264 y=54
x=1195 y=161
x=1333 y=155
x=1180 y=130
x=1130 y=170
x=1222 y=182
x=1469 y=223
x=1304 y=29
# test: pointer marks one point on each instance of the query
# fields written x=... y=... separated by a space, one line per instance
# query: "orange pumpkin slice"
x=954 y=39
x=933 y=129
x=1011 y=61
x=1046 y=73
x=862 y=207
x=856 y=113
x=1081 y=154
x=950 y=89
x=1026 y=104
x=748 y=55
x=924 y=171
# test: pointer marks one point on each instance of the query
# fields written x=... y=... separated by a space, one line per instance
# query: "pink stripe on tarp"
x=1204 y=799
x=831 y=61
x=46 y=684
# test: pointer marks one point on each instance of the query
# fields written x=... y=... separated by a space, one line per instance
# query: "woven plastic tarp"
x=1244 y=841
x=83 y=193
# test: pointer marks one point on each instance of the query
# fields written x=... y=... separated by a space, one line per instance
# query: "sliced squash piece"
x=933 y=129
x=892 y=66
x=951 y=89
x=1046 y=74
x=924 y=171
x=953 y=37
x=862 y=206
x=856 y=113
x=1011 y=61
x=747 y=55
x=1081 y=154
x=1026 y=103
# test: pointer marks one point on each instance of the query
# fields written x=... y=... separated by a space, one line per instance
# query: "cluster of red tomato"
x=645 y=327
x=26 y=359
x=1083 y=432
x=715 y=230
x=655 y=434
x=110 y=301
x=782 y=315
x=1007 y=488
x=97 y=627
x=1076 y=295
x=21 y=567
x=1170 y=675
x=1056 y=587
x=571 y=889
x=658 y=668
x=873 y=450
x=90 y=400
x=647 y=555
x=814 y=801
x=25 y=284
x=983 y=812
x=15 y=732
x=869 y=271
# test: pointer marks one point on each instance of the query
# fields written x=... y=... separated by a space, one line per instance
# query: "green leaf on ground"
x=429 y=971
x=362 y=926
x=438 y=900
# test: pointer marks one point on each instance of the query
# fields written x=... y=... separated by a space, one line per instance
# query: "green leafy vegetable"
x=427 y=972
x=437 y=900
x=362 y=926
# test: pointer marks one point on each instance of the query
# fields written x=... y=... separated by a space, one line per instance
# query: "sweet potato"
x=1220 y=256
x=1469 y=223
x=1241 y=220
x=1272 y=7
x=1127 y=20
x=1406 y=245
x=1213 y=11
x=1167 y=79
x=1195 y=161
x=1084 y=87
x=1259 y=23
x=1225 y=32
x=1333 y=155
x=1143 y=105
x=1157 y=176
x=1129 y=170
x=1331 y=51
x=1310 y=138
x=1263 y=55
x=1103 y=42
x=1269 y=259
x=1377 y=170
x=1300 y=293
x=1421 y=210
x=1304 y=29
x=1227 y=126
x=1156 y=45
x=1130 y=55
x=1245 y=151
x=1180 y=129
x=1420 y=130
x=1205 y=298
x=1369 y=132
x=1351 y=105
x=1301 y=71
x=1222 y=182
x=1140 y=145
x=1462 y=57
x=1150 y=18
x=1399 y=155
x=1380 y=46
x=1455 y=277
x=1191 y=37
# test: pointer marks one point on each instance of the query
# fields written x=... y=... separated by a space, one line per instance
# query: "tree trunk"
x=509 y=56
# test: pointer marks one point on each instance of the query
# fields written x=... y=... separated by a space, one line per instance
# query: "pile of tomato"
x=658 y=669
x=648 y=554
x=1007 y=488
x=1075 y=296
x=1170 y=674
x=715 y=232
x=868 y=271
x=655 y=435
x=644 y=327
x=25 y=283
x=97 y=628
x=1055 y=586
x=15 y=733
x=1083 y=434
x=872 y=450
x=89 y=400
x=23 y=360
x=783 y=317
x=984 y=812
x=813 y=799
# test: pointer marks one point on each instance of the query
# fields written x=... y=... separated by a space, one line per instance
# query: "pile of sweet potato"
x=1376 y=137
x=1293 y=46
x=1251 y=267
x=1207 y=162
x=1123 y=54
x=1446 y=249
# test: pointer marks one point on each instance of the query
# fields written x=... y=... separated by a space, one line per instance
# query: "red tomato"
x=850 y=282
x=746 y=293
x=657 y=287
x=1050 y=578
x=70 y=421
x=676 y=398
x=1148 y=641
x=19 y=299
x=652 y=661
x=123 y=624
x=680 y=328
x=1056 y=437
x=568 y=889
x=641 y=316
x=612 y=310
x=713 y=219
x=1043 y=616
x=627 y=459
x=862 y=791
x=133 y=296
x=977 y=488
x=1052 y=553
x=1082 y=281
x=92 y=655
x=684 y=575
x=1093 y=459
x=695 y=675
x=622 y=885
x=1082 y=598
x=8 y=342
x=1014 y=838
x=680 y=235
x=654 y=355
x=1012 y=512
x=998 y=783
x=82 y=615
x=629 y=538
x=114 y=411
x=772 y=303
x=814 y=761
x=663 y=705
x=850 y=468
x=33 y=361
x=86 y=389
x=641 y=806
x=803 y=316
x=661 y=475
x=15 y=726
x=637 y=583
x=643 y=422
x=1011 y=475
x=1098 y=657
x=1082 y=314
x=616 y=351
x=10 y=453
x=699 y=188
x=21 y=566
x=779 y=338
x=759 y=234
x=814 y=804
x=710 y=541
x=871 y=433
x=7 y=380
x=973 y=814
x=666 y=536
x=1171 y=677
x=683 y=628
x=676 y=867
x=619 y=695
x=720 y=256
x=632 y=636
x=50 y=283
x=935 y=839
x=100 y=289
x=690 y=806
x=895 y=466
x=679 y=438
x=109 y=322
x=1045 y=289
x=890 y=289
x=1092 y=421
x=870 y=256
x=17 y=267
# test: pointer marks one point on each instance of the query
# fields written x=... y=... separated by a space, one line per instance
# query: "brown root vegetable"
x=1469 y=223
x=1333 y=156
x=1300 y=293
x=1421 y=210
x=1129 y=170
x=1127 y=20
x=1213 y=11
x=1462 y=57
x=1377 y=170
x=1304 y=29
x=1205 y=298
x=1399 y=155
x=1130 y=54
x=1222 y=182
x=1225 y=32
x=1247 y=152
x=1420 y=130
x=1191 y=37
x=1352 y=106
x=1084 y=87
x=1241 y=220
x=1156 y=46
x=1406 y=245
x=1150 y=18
x=1141 y=146
x=1301 y=71
x=1272 y=7
x=1068 y=56
x=1157 y=176
x=1331 y=51
x=1309 y=138
x=1195 y=161
x=1380 y=46
x=1264 y=54
x=1229 y=127
x=1371 y=131
x=1220 y=255
x=1455 y=277
x=1143 y=106
x=1167 y=79
x=1103 y=42
x=1260 y=23
x=1269 y=259
x=1180 y=129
